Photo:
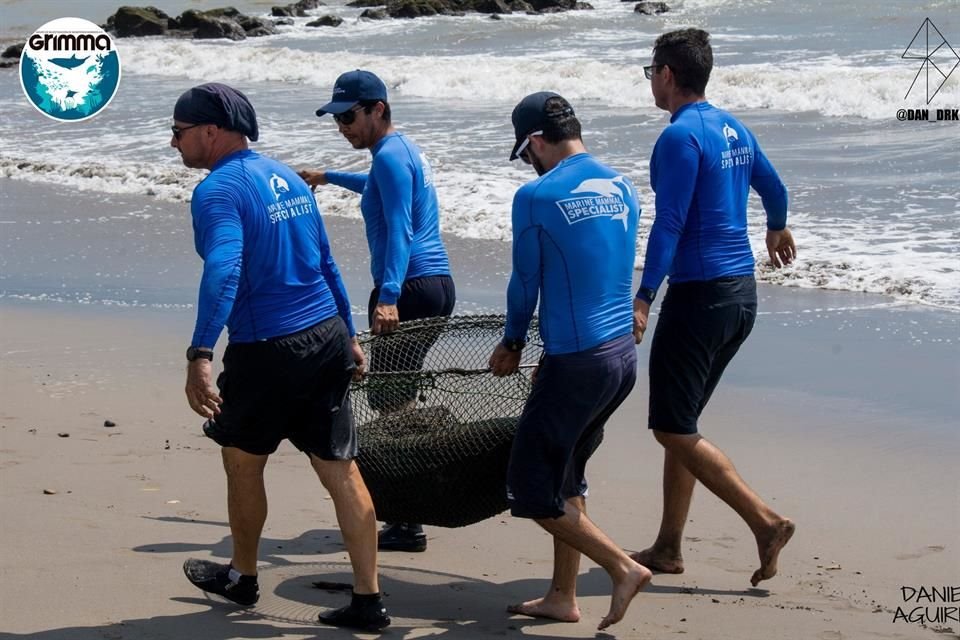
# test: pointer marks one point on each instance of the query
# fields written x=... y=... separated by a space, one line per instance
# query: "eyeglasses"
x=178 y=131
x=526 y=143
x=347 y=117
x=649 y=70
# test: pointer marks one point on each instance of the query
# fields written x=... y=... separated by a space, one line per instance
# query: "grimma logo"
x=69 y=69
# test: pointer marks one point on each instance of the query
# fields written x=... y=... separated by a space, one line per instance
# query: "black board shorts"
x=292 y=387
x=700 y=328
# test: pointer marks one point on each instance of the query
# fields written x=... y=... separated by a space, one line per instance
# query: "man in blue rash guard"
x=574 y=244
x=702 y=169
x=269 y=276
x=411 y=272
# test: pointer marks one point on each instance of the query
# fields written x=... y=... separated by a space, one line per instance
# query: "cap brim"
x=513 y=154
x=335 y=108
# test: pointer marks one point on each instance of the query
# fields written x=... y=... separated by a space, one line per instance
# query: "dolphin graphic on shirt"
x=730 y=134
x=608 y=187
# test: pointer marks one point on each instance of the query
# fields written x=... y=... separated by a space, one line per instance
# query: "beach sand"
x=873 y=492
x=841 y=411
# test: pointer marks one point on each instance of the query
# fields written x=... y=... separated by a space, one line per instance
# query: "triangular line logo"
x=939 y=58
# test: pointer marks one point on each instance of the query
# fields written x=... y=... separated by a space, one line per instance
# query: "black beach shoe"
x=402 y=536
x=370 y=616
x=215 y=578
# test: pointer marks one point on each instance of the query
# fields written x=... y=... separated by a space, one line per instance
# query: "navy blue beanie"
x=215 y=103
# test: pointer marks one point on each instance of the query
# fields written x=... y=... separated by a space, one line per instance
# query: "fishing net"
x=435 y=427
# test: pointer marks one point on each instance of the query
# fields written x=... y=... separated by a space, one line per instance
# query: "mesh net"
x=435 y=426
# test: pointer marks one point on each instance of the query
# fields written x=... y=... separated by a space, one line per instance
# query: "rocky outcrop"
x=419 y=8
x=228 y=22
x=13 y=51
x=11 y=56
x=650 y=8
x=225 y=22
x=326 y=21
x=140 y=21
x=297 y=9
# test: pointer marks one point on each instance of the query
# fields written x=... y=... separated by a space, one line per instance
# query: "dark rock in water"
x=219 y=28
x=8 y=63
x=139 y=21
x=495 y=16
x=416 y=8
x=109 y=423
x=13 y=51
x=521 y=6
x=255 y=27
x=286 y=22
x=298 y=9
x=650 y=8
x=492 y=6
x=367 y=3
x=374 y=14
x=326 y=21
x=555 y=6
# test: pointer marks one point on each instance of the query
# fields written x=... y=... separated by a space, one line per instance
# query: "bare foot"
x=769 y=545
x=659 y=561
x=623 y=592
x=554 y=609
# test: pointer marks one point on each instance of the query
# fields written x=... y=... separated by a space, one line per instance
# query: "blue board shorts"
x=562 y=425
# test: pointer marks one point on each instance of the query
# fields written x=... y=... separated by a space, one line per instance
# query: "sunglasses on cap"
x=348 y=117
x=526 y=143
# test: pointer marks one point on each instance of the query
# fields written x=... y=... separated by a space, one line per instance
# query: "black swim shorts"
x=700 y=328
x=292 y=387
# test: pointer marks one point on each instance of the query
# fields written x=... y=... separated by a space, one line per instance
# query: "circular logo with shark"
x=69 y=69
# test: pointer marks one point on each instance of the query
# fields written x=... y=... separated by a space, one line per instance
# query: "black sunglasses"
x=649 y=70
x=178 y=131
x=347 y=117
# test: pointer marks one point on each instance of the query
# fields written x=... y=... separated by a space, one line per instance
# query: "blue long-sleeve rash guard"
x=702 y=168
x=401 y=215
x=267 y=266
x=574 y=245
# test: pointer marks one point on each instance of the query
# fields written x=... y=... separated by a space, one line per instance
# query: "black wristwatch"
x=195 y=353
x=647 y=294
x=514 y=344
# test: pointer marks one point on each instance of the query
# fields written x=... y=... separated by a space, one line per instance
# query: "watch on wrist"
x=647 y=294
x=196 y=353
x=514 y=344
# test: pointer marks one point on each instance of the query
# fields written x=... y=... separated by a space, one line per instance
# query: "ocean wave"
x=910 y=257
x=830 y=85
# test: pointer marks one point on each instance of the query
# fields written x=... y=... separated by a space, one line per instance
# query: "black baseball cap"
x=531 y=115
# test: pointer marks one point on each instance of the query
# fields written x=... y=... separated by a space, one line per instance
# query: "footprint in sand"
x=925 y=551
